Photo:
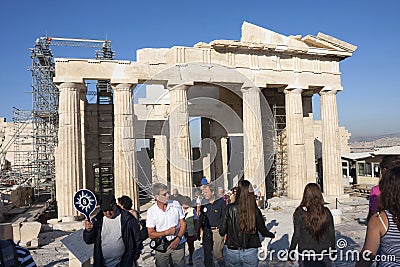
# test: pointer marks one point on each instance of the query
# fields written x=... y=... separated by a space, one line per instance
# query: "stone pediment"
x=256 y=37
x=255 y=34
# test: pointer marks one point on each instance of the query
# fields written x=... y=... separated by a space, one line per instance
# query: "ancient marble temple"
x=237 y=88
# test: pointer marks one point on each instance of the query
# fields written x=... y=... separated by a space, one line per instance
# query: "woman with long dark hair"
x=241 y=222
x=384 y=226
x=313 y=230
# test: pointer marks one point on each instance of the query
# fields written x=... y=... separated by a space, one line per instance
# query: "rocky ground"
x=350 y=235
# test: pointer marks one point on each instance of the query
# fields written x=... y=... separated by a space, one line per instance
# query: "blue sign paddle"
x=85 y=202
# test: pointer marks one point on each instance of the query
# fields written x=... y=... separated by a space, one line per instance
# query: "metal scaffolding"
x=23 y=146
x=36 y=165
x=44 y=118
x=279 y=166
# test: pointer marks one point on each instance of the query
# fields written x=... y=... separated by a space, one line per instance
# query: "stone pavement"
x=350 y=235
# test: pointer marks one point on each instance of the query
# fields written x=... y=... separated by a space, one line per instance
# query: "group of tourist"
x=230 y=227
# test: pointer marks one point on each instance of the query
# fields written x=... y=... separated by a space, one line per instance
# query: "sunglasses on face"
x=165 y=194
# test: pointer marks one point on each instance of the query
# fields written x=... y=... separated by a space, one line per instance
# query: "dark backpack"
x=144 y=234
x=8 y=254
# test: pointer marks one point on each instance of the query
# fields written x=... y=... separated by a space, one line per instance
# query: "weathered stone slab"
x=29 y=231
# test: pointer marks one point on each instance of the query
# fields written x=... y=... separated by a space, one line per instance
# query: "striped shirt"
x=24 y=257
x=390 y=243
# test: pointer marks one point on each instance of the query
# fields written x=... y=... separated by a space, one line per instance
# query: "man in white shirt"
x=166 y=218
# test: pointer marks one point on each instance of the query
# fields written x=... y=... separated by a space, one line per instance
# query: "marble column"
x=309 y=136
x=160 y=161
x=253 y=139
x=310 y=149
x=68 y=154
x=218 y=163
x=180 y=149
x=224 y=155
x=331 y=160
x=296 y=168
x=207 y=161
x=206 y=148
x=125 y=173
x=82 y=104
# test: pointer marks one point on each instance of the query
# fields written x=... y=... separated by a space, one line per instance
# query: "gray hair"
x=157 y=187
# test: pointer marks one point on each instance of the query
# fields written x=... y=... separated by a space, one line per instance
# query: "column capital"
x=294 y=86
x=178 y=86
x=250 y=89
x=70 y=85
x=330 y=90
x=293 y=90
x=123 y=86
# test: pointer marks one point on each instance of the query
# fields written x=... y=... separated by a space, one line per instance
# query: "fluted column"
x=297 y=171
x=218 y=162
x=224 y=156
x=180 y=149
x=125 y=173
x=68 y=156
x=253 y=140
x=160 y=158
x=207 y=161
x=331 y=160
x=205 y=148
x=82 y=104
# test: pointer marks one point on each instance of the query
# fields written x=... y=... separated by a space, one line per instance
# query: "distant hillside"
x=373 y=138
x=370 y=143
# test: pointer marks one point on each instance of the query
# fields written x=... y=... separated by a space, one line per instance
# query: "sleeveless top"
x=390 y=244
x=190 y=217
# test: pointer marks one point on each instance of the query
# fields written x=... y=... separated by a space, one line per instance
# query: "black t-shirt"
x=212 y=212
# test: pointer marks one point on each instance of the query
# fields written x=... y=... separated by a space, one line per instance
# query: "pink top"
x=374 y=198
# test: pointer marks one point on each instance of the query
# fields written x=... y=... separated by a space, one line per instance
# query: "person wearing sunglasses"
x=167 y=219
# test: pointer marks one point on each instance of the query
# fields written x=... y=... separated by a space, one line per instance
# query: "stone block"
x=53 y=221
x=68 y=226
x=74 y=262
x=16 y=230
x=337 y=216
x=21 y=196
x=34 y=243
x=29 y=231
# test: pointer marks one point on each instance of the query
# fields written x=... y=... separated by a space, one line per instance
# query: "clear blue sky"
x=368 y=105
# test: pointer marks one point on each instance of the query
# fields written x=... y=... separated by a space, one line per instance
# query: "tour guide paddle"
x=85 y=202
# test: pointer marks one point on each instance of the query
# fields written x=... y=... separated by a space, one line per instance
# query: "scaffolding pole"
x=45 y=97
x=279 y=166
x=23 y=146
x=44 y=117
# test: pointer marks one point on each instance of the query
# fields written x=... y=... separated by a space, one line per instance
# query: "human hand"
x=174 y=243
x=170 y=231
x=88 y=225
